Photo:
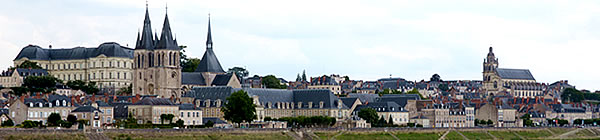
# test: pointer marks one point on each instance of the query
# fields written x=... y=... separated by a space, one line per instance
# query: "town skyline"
x=295 y=50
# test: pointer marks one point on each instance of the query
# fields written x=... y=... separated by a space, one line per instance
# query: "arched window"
x=170 y=58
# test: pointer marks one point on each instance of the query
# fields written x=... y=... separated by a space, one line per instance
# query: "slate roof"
x=212 y=93
x=166 y=37
x=209 y=62
x=192 y=78
x=323 y=80
x=364 y=97
x=154 y=101
x=348 y=101
x=523 y=74
x=86 y=108
x=26 y=72
x=383 y=107
x=146 y=41
x=109 y=49
x=316 y=96
x=270 y=95
x=120 y=110
x=400 y=100
x=222 y=79
x=187 y=107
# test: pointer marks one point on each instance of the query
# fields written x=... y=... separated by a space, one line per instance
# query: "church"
x=157 y=69
x=515 y=82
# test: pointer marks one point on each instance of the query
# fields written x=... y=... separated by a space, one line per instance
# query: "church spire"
x=146 y=40
x=209 y=42
x=166 y=37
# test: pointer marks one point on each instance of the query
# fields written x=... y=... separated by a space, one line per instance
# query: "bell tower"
x=491 y=81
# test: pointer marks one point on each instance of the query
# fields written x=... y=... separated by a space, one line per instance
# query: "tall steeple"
x=209 y=62
x=209 y=42
x=166 y=37
x=146 y=41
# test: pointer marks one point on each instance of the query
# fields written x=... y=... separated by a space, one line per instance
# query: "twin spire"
x=150 y=42
x=166 y=41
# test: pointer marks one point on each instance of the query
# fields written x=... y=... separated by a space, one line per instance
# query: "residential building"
x=325 y=82
x=190 y=114
x=150 y=109
x=16 y=77
x=109 y=64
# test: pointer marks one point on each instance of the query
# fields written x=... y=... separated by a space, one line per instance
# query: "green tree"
x=270 y=81
x=239 y=72
x=29 y=65
x=190 y=65
x=298 y=78
x=414 y=91
x=490 y=122
x=126 y=90
x=76 y=84
x=53 y=119
x=179 y=123
x=18 y=91
x=163 y=117
x=29 y=124
x=304 y=75
x=443 y=87
x=391 y=120
x=90 y=88
x=368 y=114
x=381 y=121
x=572 y=95
x=170 y=117
x=435 y=78
x=44 y=84
x=209 y=124
x=239 y=108
x=72 y=119
x=8 y=122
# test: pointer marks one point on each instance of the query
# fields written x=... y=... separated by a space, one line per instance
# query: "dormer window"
x=30 y=104
x=57 y=103
x=40 y=104
x=321 y=104
x=64 y=102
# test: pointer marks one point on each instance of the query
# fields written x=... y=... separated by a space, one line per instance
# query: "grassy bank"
x=433 y=134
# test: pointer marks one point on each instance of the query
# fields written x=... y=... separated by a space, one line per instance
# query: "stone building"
x=190 y=114
x=15 y=78
x=109 y=65
x=38 y=109
x=156 y=62
x=517 y=82
x=150 y=109
x=325 y=82
x=273 y=103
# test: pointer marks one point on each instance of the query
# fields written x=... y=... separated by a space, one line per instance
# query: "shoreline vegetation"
x=318 y=134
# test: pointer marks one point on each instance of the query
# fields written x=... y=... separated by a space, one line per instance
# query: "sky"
x=366 y=40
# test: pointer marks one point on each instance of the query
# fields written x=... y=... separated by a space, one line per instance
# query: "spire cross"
x=166 y=7
x=146 y=4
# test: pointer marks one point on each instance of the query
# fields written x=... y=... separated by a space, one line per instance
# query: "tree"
x=391 y=120
x=443 y=87
x=368 y=114
x=170 y=117
x=239 y=108
x=72 y=119
x=179 y=123
x=126 y=90
x=18 y=91
x=90 y=88
x=346 y=78
x=29 y=65
x=414 y=91
x=209 y=123
x=572 y=95
x=53 y=119
x=190 y=65
x=29 y=124
x=381 y=121
x=298 y=78
x=304 y=75
x=239 y=72
x=44 y=84
x=163 y=117
x=76 y=84
x=8 y=122
x=435 y=78
x=270 y=81
x=490 y=122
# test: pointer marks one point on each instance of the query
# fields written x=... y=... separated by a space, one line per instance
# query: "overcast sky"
x=366 y=40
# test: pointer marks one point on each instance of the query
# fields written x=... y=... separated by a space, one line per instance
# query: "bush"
x=411 y=124
x=29 y=124
x=54 y=119
x=209 y=124
x=8 y=122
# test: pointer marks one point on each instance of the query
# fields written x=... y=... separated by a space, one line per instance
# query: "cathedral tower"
x=157 y=70
x=491 y=81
